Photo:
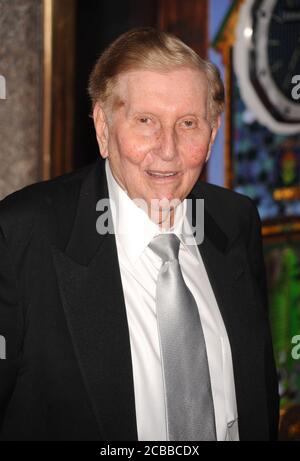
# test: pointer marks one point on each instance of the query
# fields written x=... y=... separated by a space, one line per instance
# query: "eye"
x=188 y=123
x=144 y=120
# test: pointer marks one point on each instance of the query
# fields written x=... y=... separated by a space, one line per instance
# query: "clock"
x=266 y=59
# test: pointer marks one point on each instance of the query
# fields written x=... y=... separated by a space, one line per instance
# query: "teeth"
x=161 y=174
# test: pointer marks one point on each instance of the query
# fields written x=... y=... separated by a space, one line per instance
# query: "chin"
x=169 y=199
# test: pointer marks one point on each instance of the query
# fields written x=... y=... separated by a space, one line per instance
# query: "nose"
x=168 y=146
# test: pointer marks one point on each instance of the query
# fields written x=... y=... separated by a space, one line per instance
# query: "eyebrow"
x=202 y=115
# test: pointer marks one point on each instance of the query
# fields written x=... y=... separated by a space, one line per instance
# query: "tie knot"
x=166 y=246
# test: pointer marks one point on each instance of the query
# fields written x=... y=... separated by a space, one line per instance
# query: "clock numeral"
x=276 y=66
x=262 y=73
x=273 y=42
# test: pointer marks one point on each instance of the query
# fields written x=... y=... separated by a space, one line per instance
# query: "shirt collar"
x=134 y=229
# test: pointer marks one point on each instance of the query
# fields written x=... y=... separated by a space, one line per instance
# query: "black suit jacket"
x=68 y=372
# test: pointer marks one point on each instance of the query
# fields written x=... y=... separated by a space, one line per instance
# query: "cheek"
x=133 y=149
x=195 y=156
x=195 y=149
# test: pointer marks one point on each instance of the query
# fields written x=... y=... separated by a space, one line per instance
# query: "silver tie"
x=190 y=410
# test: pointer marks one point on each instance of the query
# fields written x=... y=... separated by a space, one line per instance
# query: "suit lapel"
x=223 y=265
x=224 y=257
x=91 y=292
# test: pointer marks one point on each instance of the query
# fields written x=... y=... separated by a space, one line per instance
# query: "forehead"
x=180 y=88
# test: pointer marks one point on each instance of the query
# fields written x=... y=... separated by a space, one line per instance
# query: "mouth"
x=162 y=174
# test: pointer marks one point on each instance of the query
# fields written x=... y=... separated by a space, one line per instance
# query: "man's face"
x=159 y=136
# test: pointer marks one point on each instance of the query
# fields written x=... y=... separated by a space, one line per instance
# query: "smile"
x=162 y=174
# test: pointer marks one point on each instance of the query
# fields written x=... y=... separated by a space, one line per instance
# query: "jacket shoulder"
x=223 y=195
x=231 y=210
x=226 y=201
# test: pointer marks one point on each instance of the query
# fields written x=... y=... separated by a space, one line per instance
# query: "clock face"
x=284 y=44
x=276 y=55
x=267 y=61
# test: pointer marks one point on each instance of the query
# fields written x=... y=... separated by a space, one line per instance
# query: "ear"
x=101 y=127
x=215 y=129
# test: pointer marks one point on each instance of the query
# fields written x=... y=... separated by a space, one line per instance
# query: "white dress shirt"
x=139 y=268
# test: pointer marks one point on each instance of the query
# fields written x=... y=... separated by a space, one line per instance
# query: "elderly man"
x=138 y=330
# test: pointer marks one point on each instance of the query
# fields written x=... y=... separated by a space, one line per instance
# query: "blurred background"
x=47 y=50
